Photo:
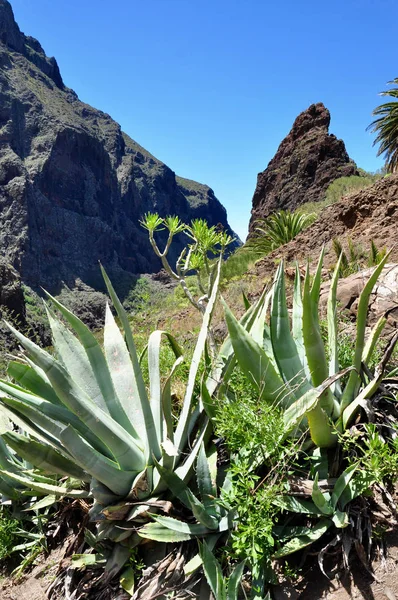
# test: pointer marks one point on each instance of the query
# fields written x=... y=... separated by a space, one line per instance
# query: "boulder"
x=383 y=300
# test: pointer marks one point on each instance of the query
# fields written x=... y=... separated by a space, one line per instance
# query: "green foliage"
x=277 y=229
x=356 y=258
x=375 y=456
x=9 y=527
x=347 y=185
x=386 y=127
x=237 y=264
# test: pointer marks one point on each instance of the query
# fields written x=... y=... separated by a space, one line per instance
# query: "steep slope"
x=306 y=162
x=370 y=214
x=73 y=186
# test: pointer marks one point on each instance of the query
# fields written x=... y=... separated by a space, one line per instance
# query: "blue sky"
x=211 y=87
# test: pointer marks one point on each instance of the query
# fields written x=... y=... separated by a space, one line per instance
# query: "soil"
x=34 y=584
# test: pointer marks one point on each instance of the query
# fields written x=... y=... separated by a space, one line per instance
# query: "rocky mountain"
x=73 y=186
x=307 y=161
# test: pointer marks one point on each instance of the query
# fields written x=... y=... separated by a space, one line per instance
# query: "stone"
x=383 y=300
x=306 y=162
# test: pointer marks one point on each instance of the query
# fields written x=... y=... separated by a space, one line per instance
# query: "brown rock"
x=307 y=161
x=383 y=300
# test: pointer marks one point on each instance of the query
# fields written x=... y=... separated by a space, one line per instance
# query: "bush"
x=347 y=185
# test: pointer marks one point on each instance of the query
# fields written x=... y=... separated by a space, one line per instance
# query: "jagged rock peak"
x=12 y=37
x=306 y=162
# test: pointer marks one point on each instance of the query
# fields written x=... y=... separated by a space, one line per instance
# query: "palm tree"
x=278 y=229
x=386 y=127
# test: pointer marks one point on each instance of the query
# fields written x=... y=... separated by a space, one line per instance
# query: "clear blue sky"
x=211 y=87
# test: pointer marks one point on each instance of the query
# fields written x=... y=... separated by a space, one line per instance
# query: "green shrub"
x=8 y=532
x=347 y=185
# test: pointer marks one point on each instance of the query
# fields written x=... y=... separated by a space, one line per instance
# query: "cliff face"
x=307 y=161
x=73 y=186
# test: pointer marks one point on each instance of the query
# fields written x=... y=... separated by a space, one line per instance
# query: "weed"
x=8 y=532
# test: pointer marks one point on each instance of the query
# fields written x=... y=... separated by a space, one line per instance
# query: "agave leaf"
x=342 y=483
x=297 y=323
x=159 y=533
x=353 y=381
x=45 y=488
x=183 y=493
x=255 y=364
x=122 y=372
x=212 y=571
x=154 y=345
x=166 y=400
x=29 y=378
x=43 y=503
x=360 y=401
x=283 y=344
x=184 y=469
x=195 y=562
x=225 y=360
x=332 y=329
x=34 y=422
x=321 y=501
x=194 y=529
x=301 y=542
x=72 y=355
x=43 y=456
x=246 y=302
x=122 y=445
x=355 y=487
x=148 y=434
x=308 y=406
x=181 y=434
x=104 y=470
x=316 y=284
x=206 y=485
x=340 y=519
x=9 y=491
x=373 y=338
x=127 y=580
x=46 y=415
x=314 y=347
x=256 y=328
x=284 y=533
x=234 y=581
x=293 y=504
x=99 y=367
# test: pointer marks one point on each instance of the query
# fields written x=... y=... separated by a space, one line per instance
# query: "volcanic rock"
x=307 y=161
x=73 y=186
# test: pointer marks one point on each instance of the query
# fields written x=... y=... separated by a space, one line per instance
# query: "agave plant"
x=290 y=367
x=86 y=415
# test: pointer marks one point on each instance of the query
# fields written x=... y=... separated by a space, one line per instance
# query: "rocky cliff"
x=307 y=161
x=73 y=186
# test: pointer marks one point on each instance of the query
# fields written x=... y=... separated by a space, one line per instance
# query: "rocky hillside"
x=73 y=186
x=370 y=214
x=307 y=161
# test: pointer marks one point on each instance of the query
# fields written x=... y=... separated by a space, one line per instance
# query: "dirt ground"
x=360 y=585
x=33 y=586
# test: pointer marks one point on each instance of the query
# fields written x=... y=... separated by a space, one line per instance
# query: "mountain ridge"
x=73 y=185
